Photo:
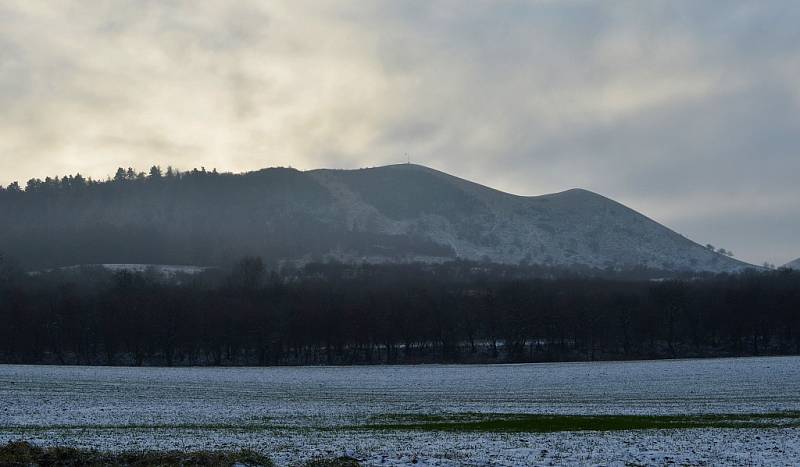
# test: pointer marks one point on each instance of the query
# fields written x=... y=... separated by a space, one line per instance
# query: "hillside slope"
x=392 y=213
x=793 y=264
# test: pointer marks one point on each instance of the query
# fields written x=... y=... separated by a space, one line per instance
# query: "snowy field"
x=294 y=413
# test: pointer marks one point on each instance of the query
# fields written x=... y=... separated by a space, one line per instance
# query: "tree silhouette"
x=343 y=314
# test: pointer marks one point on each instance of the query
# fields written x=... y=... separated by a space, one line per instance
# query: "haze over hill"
x=392 y=213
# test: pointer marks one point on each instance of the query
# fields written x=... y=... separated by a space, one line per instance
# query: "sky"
x=687 y=111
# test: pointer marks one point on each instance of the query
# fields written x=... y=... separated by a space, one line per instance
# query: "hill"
x=394 y=213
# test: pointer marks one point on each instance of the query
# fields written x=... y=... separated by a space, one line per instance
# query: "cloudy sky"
x=687 y=111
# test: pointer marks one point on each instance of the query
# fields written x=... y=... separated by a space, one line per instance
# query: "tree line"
x=413 y=313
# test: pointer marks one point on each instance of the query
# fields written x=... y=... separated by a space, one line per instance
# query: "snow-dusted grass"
x=22 y=453
x=293 y=413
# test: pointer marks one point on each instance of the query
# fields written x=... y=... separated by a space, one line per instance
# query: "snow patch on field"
x=166 y=270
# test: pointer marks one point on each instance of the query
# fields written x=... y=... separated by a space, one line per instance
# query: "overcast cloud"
x=687 y=111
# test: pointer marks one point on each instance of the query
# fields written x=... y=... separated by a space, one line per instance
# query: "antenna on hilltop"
x=408 y=159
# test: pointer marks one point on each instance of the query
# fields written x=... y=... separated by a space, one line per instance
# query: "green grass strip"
x=539 y=423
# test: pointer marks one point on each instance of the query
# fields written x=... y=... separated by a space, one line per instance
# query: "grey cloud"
x=681 y=109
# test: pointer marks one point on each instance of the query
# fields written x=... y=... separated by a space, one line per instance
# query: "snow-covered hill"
x=395 y=213
x=574 y=227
